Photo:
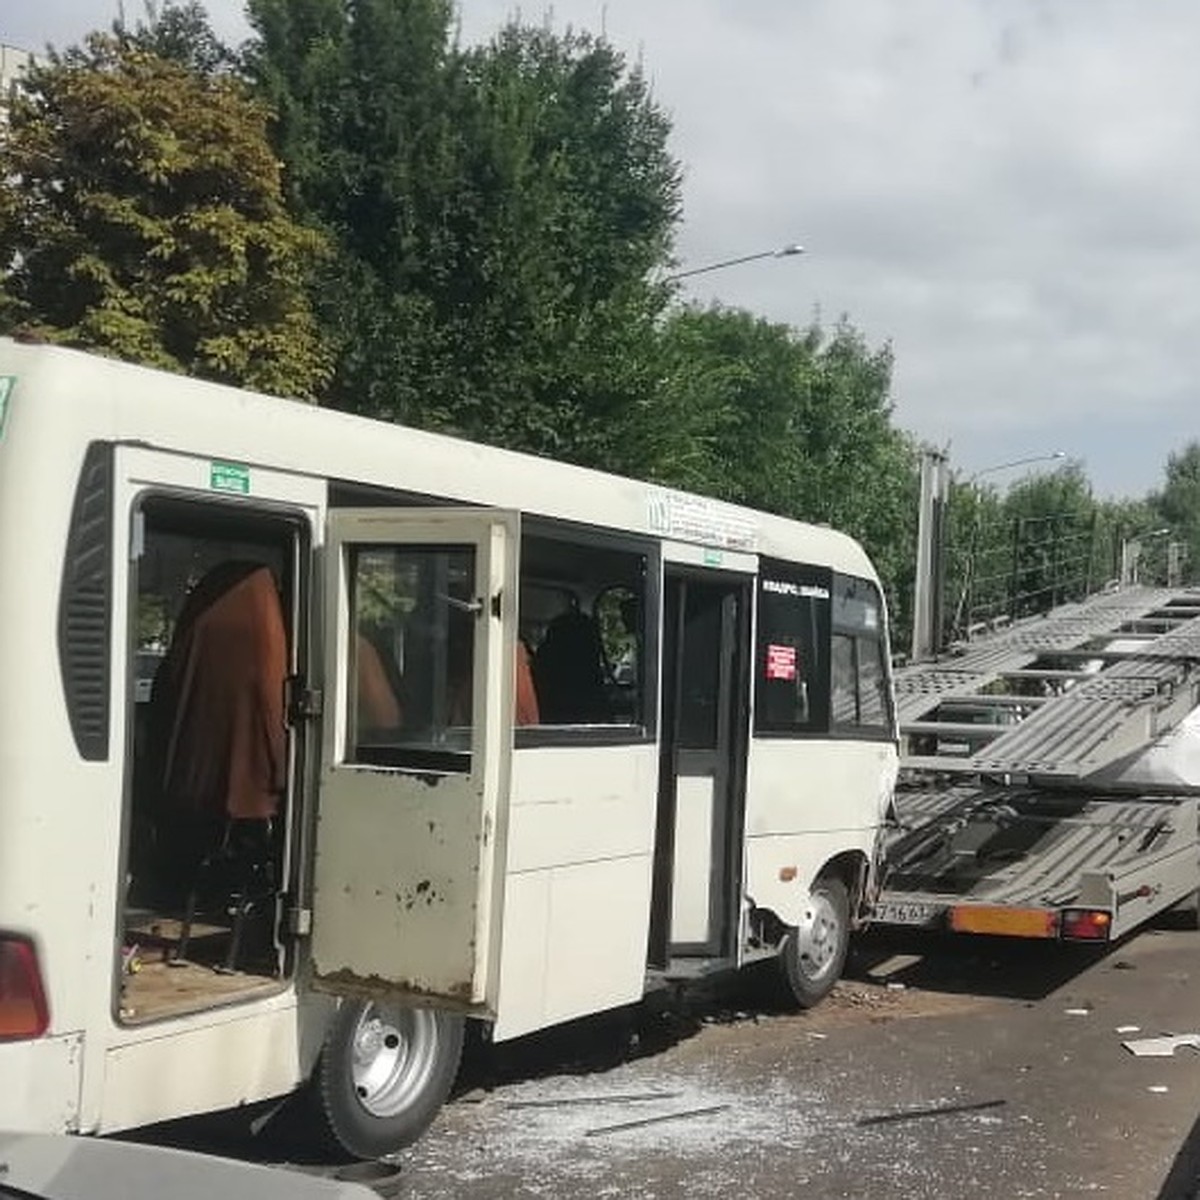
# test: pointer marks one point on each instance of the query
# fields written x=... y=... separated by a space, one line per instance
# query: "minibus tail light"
x=23 y=1009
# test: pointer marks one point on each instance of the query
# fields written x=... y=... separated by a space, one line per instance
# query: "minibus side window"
x=582 y=624
x=412 y=656
x=792 y=664
x=860 y=701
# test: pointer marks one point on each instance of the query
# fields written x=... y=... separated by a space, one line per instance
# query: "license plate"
x=904 y=912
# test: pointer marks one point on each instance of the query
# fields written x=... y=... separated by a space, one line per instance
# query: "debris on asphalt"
x=686 y=1114
x=895 y=964
x=935 y=1110
x=625 y=1098
x=1162 y=1047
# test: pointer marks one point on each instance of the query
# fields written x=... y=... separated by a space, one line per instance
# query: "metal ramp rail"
x=1058 y=697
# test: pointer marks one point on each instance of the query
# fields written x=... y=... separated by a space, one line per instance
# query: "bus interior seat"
x=378 y=684
x=527 y=708
x=568 y=672
x=217 y=732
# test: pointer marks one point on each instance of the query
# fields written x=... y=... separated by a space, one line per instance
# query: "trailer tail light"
x=23 y=1009
x=1086 y=925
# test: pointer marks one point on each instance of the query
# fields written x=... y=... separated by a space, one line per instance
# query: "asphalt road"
x=941 y=1068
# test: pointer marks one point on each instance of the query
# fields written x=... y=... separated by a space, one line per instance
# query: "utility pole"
x=927 y=587
x=1174 y=564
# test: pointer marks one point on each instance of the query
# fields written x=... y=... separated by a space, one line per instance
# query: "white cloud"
x=1008 y=190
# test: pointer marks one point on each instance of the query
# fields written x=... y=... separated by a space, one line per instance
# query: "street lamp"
x=1054 y=456
x=787 y=251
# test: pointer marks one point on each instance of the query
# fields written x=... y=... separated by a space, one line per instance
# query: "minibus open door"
x=420 y=627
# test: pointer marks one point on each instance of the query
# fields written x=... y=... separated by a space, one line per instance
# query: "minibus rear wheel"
x=813 y=953
x=384 y=1073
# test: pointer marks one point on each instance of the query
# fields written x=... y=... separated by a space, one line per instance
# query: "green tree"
x=1044 y=541
x=143 y=218
x=497 y=213
x=797 y=423
x=180 y=33
x=1178 y=503
x=793 y=422
x=1053 y=517
x=732 y=383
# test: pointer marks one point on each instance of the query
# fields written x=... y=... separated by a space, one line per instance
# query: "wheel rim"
x=394 y=1056
x=819 y=939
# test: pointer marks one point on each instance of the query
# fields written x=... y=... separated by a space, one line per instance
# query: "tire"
x=384 y=1073
x=812 y=955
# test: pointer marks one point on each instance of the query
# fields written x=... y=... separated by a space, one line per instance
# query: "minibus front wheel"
x=384 y=1073
x=812 y=954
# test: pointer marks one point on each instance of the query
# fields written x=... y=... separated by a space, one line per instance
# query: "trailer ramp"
x=1014 y=813
x=1032 y=863
x=1059 y=697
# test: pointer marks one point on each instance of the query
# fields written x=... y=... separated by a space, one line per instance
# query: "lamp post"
x=788 y=251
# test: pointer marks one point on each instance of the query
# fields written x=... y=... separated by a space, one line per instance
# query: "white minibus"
x=321 y=736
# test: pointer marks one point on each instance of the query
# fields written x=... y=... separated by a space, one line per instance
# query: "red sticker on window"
x=781 y=662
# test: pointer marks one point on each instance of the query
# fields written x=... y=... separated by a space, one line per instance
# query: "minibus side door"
x=410 y=844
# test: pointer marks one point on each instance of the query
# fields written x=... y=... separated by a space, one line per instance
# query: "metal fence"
x=1026 y=566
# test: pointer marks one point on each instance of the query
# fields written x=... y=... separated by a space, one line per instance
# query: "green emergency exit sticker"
x=229 y=477
x=6 y=386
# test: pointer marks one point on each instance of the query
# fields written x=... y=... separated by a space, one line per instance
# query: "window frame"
x=414 y=758
x=862 y=636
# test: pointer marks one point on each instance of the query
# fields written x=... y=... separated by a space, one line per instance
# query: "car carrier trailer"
x=1050 y=781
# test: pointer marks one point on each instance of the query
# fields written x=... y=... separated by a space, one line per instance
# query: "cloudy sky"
x=1006 y=190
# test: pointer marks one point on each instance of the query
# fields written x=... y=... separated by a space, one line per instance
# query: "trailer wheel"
x=384 y=1073
x=813 y=953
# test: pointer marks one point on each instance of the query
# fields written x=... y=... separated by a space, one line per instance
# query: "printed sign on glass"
x=781 y=662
